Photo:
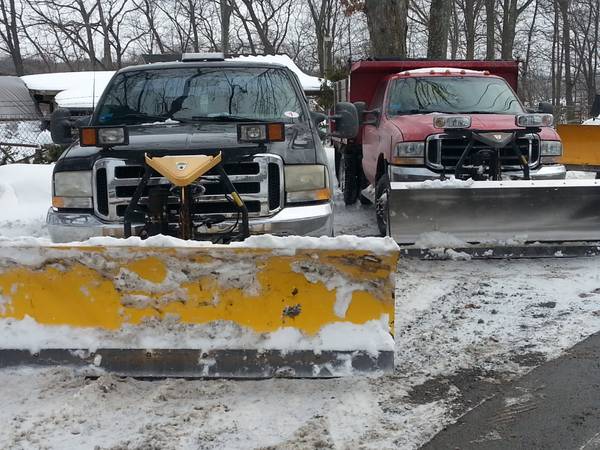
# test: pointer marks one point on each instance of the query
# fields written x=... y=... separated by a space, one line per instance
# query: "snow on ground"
x=25 y=196
x=452 y=318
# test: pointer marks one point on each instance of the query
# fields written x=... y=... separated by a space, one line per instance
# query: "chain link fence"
x=25 y=139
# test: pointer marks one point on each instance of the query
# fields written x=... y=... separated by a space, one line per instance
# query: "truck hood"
x=299 y=146
x=417 y=127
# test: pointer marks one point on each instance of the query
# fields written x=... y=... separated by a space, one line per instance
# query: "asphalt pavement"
x=555 y=406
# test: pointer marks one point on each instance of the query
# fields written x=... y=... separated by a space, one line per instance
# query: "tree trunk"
x=490 y=18
x=439 y=24
x=386 y=20
x=226 y=11
x=107 y=56
x=526 y=84
x=566 y=38
x=471 y=12
x=509 y=26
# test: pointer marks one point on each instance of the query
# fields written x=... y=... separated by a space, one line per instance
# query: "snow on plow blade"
x=495 y=211
x=202 y=311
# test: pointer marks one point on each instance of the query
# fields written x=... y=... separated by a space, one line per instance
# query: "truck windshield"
x=475 y=95
x=198 y=94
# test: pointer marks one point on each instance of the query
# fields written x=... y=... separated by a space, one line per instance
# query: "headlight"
x=111 y=136
x=73 y=184
x=447 y=122
x=410 y=150
x=103 y=136
x=261 y=132
x=408 y=153
x=72 y=189
x=534 y=120
x=304 y=183
x=551 y=148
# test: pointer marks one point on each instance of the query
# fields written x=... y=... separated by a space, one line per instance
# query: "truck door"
x=374 y=141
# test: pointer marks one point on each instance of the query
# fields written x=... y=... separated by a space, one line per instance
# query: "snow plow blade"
x=581 y=146
x=236 y=311
x=496 y=212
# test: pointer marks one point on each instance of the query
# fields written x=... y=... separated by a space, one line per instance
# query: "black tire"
x=349 y=178
x=382 y=210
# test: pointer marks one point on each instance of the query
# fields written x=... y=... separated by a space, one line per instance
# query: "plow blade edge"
x=212 y=311
x=492 y=211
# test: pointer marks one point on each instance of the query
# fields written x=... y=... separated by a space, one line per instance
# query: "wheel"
x=382 y=210
x=349 y=178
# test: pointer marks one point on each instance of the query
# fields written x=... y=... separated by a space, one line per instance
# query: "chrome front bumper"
x=404 y=173
x=312 y=220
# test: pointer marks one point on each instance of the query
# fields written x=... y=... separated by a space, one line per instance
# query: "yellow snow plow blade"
x=581 y=145
x=198 y=311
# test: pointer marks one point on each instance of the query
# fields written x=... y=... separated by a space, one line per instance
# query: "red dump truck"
x=459 y=122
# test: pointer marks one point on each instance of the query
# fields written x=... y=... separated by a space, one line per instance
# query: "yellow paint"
x=183 y=170
x=151 y=269
x=581 y=144
x=84 y=296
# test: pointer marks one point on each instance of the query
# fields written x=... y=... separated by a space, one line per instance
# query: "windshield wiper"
x=223 y=118
x=143 y=116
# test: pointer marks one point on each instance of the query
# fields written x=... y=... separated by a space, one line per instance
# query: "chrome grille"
x=258 y=180
x=443 y=151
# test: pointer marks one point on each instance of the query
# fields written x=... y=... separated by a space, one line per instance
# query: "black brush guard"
x=489 y=165
x=158 y=217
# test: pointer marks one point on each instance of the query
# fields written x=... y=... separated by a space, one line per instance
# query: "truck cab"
x=197 y=106
x=418 y=124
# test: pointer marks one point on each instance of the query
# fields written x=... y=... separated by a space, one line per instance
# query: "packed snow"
x=454 y=318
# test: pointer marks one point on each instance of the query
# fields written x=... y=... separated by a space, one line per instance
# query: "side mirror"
x=317 y=117
x=345 y=118
x=374 y=117
x=60 y=127
x=361 y=107
x=546 y=108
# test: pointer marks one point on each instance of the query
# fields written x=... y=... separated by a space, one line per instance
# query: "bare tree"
x=510 y=14
x=9 y=33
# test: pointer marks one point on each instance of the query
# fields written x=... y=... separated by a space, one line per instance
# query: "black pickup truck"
x=196 y=105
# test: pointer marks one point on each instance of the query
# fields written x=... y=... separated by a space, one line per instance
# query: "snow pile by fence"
x=25 y=196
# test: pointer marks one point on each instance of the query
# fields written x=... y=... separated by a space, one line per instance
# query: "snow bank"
x=25 y=196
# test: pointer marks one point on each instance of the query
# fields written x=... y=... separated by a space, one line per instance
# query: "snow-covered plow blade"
x=496 y=212
x=301 y=310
